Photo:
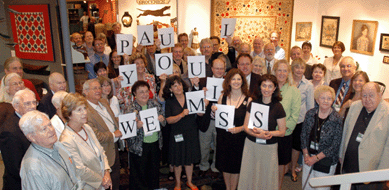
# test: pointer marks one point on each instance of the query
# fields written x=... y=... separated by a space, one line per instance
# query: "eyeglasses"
x=28 y=104
x=17 y=83
x=344 y=66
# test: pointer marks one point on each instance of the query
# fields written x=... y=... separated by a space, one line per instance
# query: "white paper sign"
x=150 y=121
x=228 y=27
x=214 y=88
x=224 y=116
x=196 y=66
x=166 y=36
x=195 y=101
x=127 y=125
x=164 y=63
x=124 y=44
x=259 y=116
x=145 y=35
x=128 y=72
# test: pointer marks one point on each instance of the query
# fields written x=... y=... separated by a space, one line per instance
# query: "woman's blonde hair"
x=4 y=96
x=289 y=80
x=324 y=88
x=70 y=103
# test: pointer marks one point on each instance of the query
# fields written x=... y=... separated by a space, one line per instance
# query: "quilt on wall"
x=254 y=18
x=31 y=31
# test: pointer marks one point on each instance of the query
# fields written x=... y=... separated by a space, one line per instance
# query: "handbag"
x=323 y=165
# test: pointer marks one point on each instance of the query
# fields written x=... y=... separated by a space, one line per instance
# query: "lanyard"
x=65 y=169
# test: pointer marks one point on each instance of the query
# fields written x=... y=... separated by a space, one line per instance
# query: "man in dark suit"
x=207 y=133
x=106 y=127
x=57 y=83
x=342 y=86
x=13 y=143
x=244 y=63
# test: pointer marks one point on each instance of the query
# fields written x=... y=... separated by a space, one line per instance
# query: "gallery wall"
x=348 y=11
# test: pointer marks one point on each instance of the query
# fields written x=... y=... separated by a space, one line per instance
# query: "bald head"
x=245 y=48
x=258 y=45
x=236 y=41
x=295 y=53
x=371 y=96
x=347 y=68
x=57 y=82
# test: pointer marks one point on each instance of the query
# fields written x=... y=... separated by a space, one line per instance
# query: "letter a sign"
x=196 y=66
x=145 y=35
x=127 y=125
x=259 y=115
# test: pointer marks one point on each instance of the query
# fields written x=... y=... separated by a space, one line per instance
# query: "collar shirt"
x=307 y=98
x=103 y=112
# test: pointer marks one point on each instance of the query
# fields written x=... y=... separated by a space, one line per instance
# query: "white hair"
x=19 y=96
x=57 y=98
x=30 y=120
x=87 y=84
x=4 y=96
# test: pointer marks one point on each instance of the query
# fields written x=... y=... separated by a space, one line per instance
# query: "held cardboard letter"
x=128 y=72
x=214 y=88
x=195 y=101
x=124 y=44
x=127 y=125
x=164 y=63
x=224 y=116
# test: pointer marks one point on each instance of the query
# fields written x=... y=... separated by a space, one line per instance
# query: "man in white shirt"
x=106 y=127
x=279 y=52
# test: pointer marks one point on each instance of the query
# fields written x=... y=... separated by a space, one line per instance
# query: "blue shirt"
x=95 y=58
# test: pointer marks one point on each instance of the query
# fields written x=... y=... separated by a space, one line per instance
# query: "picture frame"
x=303 y=31
x=329 y=31
x=31 y=32
x=384 y=42
x=386 y=60
x=363 y=36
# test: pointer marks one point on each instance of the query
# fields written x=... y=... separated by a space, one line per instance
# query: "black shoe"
x=202 y=173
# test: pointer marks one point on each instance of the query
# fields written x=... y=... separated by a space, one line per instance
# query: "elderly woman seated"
x=80 y=140
x=10 y=84
x=47 y=164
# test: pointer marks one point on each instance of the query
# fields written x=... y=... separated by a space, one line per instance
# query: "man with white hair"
x=279 y=52
x=13 y=143
x=58 y=121
x=105 y=125
x=47 y=164
x=56 y=83
x=365 y=140
x=269 y=51
x=257 y=46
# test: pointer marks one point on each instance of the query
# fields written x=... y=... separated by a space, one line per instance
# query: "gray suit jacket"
x=90 y=164
x=101 y=130
x=374 y=147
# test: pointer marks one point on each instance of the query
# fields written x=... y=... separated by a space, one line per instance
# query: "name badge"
x=337 y=107
x=178 y=138
x=314 y=146
x=149 y=134
x=359 y=137
x=260 y=141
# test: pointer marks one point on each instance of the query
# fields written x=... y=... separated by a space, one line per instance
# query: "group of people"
x=329 y=113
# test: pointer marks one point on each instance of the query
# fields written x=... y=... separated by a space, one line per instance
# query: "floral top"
x=125 y=97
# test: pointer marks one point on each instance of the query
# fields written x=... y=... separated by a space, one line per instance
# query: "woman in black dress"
x=230 y=143
x=184 y=146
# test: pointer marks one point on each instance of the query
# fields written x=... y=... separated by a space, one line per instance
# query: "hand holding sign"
x=124 y=44
x=228 y=27
x=127 y=125
x=196 y=66
x=129 y=74
x=259 y=118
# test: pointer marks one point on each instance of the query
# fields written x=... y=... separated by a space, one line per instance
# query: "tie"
x=341 y=95
x=268 y=68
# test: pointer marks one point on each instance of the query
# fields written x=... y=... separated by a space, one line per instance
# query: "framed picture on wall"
x=329 y=31
x=384 y=42
x=363 y=36
x=303 y=31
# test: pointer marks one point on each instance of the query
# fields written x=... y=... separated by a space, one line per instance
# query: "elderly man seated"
x=47 y=164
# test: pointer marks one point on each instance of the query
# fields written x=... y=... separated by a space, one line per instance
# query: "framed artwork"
x=363 y=36
x=254 y=19
x=386 y=59
x=329 y=31
x=384 y=42
x=32 y=32
x=303 y=31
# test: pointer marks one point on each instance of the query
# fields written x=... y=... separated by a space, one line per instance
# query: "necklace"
x=237 y=103
x=85 y=134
